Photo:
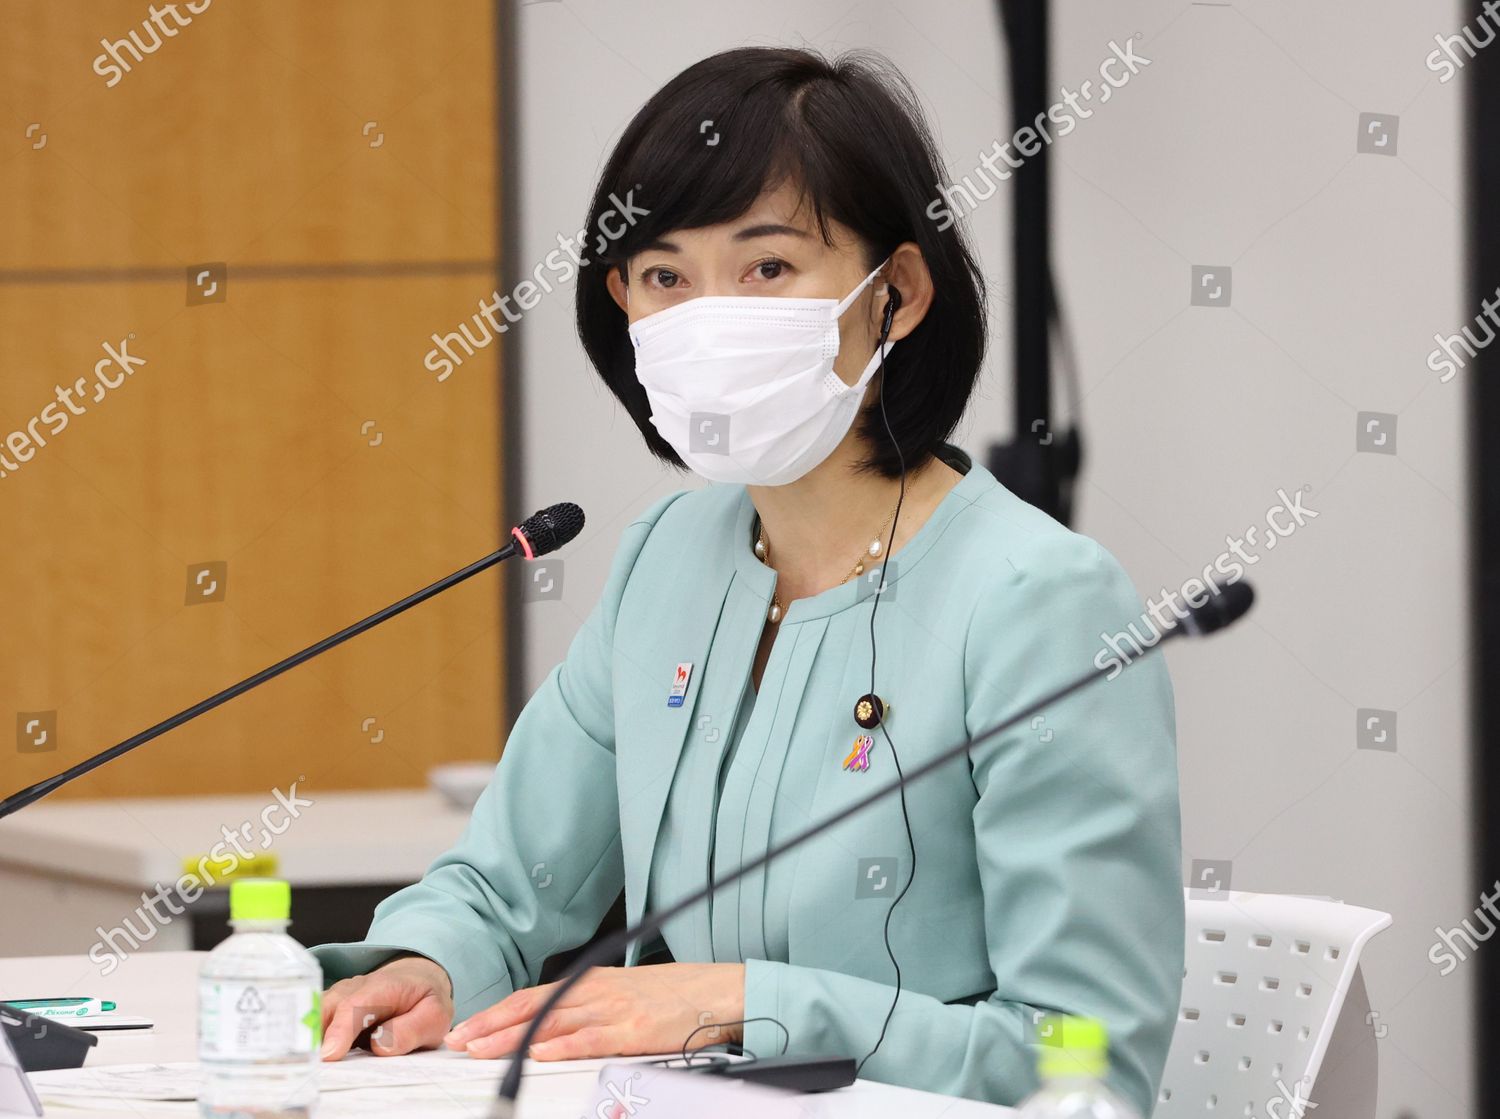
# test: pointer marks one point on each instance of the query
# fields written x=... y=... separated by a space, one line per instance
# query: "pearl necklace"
x=763 y=553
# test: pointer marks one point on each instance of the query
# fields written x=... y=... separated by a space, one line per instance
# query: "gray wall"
x=1235 y=147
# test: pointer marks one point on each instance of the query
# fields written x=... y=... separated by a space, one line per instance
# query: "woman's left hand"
x=614 y=1012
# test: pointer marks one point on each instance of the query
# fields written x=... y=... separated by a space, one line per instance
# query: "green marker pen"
x=62 y=1008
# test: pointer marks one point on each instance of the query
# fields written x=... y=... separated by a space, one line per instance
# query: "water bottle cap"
x=260 y=899
x=1072 y=1047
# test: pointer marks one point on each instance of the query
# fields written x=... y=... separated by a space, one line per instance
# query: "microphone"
x=1223 y=609
x=548 y=530
x=1220 y=610
x=536 y=536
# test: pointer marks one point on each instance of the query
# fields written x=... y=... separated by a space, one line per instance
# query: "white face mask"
x=743 y=387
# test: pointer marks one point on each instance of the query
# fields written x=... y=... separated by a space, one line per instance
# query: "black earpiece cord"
x=786 y=1036
x=911 y=842
x=893 y=303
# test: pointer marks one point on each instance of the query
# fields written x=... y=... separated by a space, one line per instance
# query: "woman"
x=786 y=320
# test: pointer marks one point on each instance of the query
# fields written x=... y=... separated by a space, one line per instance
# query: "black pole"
x=1038 y=464
x=1030 y=235
x=1483 y=373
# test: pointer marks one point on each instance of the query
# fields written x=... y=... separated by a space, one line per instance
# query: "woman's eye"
x=661 y=277
x=770 y=269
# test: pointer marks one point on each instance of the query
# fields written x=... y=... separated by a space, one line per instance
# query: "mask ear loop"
x=843 y=304
x=892 y=305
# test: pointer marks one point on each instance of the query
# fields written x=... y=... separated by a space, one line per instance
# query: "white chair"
x=1268 y=976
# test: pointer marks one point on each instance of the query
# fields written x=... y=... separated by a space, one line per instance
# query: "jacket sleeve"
x=1078 y=838
x=539 y=863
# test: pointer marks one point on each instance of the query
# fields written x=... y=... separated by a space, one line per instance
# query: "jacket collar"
x=762 y=579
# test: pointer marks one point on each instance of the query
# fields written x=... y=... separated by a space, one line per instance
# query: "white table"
x=70 y=867
x=162 y=986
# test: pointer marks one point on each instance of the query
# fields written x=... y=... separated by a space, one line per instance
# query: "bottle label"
x=266 y=1021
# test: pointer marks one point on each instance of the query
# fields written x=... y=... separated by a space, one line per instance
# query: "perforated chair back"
x=1265 y=979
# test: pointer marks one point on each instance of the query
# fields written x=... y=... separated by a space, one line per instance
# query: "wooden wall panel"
x=289 y=432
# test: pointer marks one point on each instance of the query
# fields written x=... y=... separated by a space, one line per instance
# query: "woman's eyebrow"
x=769 y=230
x=749 y=233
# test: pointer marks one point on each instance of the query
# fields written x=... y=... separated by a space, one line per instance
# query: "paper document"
x=113 y=1020
x=178 y=1081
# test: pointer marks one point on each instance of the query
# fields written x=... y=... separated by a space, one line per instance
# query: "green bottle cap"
x=1072 y=1047
x=260 y=899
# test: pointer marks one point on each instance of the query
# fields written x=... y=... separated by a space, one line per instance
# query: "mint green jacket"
x=1048 y=867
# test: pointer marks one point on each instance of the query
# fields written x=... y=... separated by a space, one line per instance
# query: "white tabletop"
x=162 y=986
x=340 y=839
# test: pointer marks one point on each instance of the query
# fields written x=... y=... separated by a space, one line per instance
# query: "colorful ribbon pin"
x=858 y=760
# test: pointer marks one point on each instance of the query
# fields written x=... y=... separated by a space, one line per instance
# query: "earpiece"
x=892 y=305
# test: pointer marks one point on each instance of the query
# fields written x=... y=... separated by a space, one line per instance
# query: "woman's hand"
x=615 y=1012
x=408 y=1001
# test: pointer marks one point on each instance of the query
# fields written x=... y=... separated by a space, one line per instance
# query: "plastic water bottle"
x=259 y=1012
x=1073 y=1060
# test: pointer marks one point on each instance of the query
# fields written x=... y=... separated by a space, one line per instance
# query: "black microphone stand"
x=536 y=536
x=18 y=801
x=1218 y=611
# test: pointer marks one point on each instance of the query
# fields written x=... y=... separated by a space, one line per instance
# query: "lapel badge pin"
x=870 y=710
x=858 y=760
x=680 y=684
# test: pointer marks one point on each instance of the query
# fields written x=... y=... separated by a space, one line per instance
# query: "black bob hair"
x=850 y=132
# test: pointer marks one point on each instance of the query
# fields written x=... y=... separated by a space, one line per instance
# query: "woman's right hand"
x=408 y=1002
